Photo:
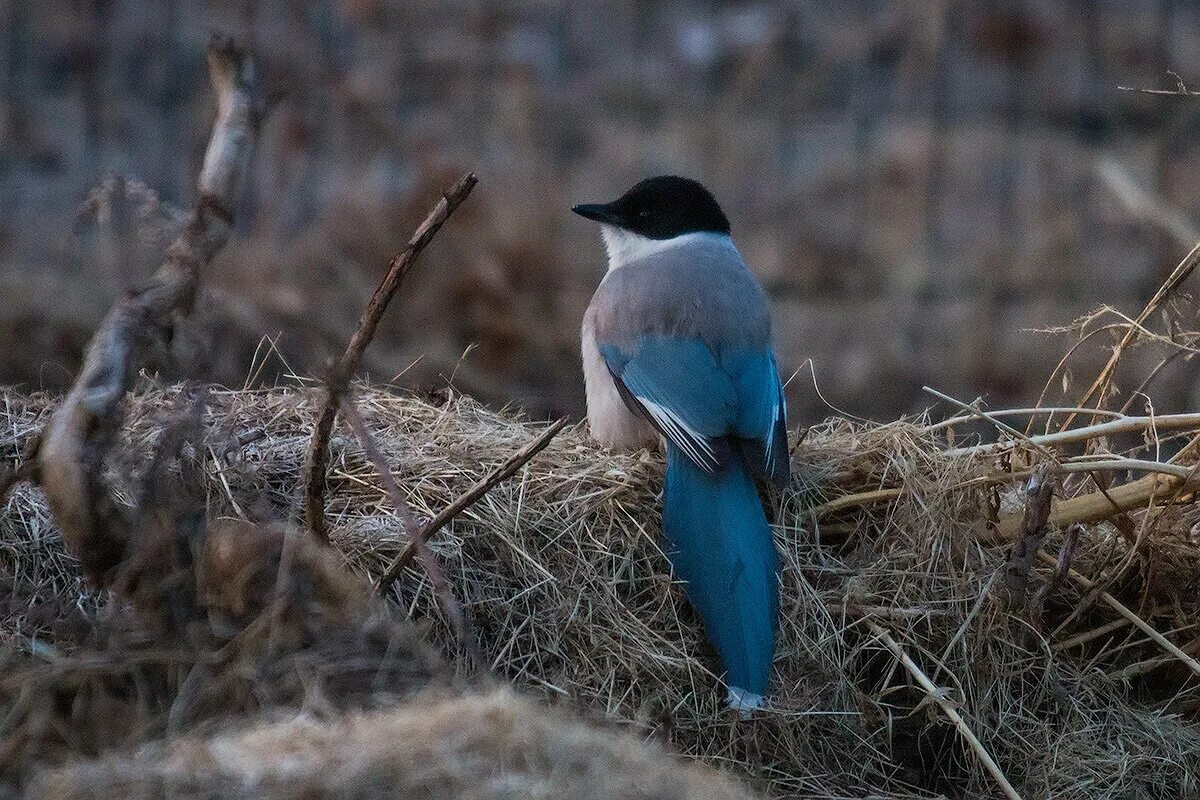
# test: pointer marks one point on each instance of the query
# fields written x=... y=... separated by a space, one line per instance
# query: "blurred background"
x=918 y=184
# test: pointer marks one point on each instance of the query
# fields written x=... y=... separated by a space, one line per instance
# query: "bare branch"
x=81 y=431
x=317 y=462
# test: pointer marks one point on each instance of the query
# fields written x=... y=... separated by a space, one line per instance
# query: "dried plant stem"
x=1165 y=422
x=1066 y=555
x=1032 y=411
x=857 y=499
x=317 y=464
x=441 y=585
x=1125 y=464
x=1038 y=494
x=986 y=416
x=1150 y=664
x=1088 y=584
x=939 y=696
x=1098 y=506
x=464 y=501
x=1091 y=635
x=1009 y=523
x=1173 y=281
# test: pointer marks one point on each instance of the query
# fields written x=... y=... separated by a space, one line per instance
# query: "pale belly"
x=611 y=422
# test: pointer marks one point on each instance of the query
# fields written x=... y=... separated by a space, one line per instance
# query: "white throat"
x=625 y=246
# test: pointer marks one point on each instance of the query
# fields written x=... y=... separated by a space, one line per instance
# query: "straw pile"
x=487 y=746
x=563 y=578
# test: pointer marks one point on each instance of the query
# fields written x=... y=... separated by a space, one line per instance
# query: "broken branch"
x=81 y=431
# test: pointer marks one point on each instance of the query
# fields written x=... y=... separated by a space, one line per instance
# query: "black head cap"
x=661 y=208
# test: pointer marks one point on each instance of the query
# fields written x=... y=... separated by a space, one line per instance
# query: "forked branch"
x=82 y=430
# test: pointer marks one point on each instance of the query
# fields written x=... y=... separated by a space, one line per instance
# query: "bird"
x=676 y=343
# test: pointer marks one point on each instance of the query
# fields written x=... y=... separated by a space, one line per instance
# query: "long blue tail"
x=722 y=547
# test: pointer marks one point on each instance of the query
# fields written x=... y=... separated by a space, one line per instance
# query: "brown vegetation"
x=487 y=747
x=915 y=655
x=216 y=621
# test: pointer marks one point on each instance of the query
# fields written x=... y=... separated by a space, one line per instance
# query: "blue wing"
x=706 y=402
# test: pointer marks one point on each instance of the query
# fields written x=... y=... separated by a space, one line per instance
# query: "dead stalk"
x=1164 y=422
x=939 y=696
x=1101 y=505
x=1181 y=273
x=1038 y=494
x=1116 y=605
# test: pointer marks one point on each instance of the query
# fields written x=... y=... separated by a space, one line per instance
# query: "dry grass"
x=562 y=574
x=491 y=746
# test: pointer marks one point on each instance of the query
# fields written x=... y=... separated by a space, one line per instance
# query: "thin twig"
x=1180 y=89
x=1091 y=635
x=1164 y=422
x=1149 y=664
x=983 y=415
x=950 y=422
x=857 y=499
x=939 y=696
x=464 y=501
x=1120 y=464
x=441 y=586
x=1066 y=555
x=1116 y=605
x=873 y=496
x=1177 y=277
x=317 y=461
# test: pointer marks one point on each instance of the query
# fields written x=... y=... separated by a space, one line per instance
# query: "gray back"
x=702 y=289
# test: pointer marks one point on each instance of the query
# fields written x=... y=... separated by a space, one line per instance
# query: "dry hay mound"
x=492 y=747
x=563 y=575
x=286 y=627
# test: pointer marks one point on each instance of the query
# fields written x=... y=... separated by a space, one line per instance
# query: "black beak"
x=600 y=212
